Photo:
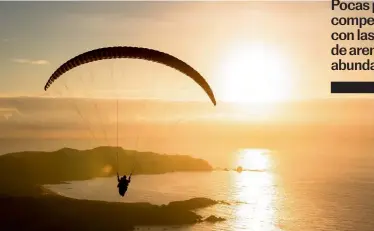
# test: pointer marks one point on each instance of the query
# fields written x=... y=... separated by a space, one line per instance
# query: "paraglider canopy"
x=135 y=53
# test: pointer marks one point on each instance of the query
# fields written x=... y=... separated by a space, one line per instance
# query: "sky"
x=247 y=51
x=258 y=53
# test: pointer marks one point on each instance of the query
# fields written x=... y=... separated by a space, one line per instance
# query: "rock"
x=194 y=203
x=213 y=218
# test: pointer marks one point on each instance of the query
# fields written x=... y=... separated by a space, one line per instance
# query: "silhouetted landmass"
x=60 y=213
x=194 y=203
x=214 y=219
x=27 y=169
x=27 y=205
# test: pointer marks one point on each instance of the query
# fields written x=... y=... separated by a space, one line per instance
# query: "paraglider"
x=123 y=184
x=133 y=53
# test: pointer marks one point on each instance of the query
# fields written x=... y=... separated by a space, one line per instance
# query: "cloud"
x=7 y=113
x=33 y=62
x=40 y=62
x=5 y=40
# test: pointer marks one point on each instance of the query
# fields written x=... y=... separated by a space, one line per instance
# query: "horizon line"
x=42 y=96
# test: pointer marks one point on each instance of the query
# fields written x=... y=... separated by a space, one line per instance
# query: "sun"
x=254 y=74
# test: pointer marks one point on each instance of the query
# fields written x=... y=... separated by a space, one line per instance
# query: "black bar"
x=352 y=87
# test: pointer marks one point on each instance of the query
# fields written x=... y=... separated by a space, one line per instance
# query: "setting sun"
x=254 y=74
x=253 y=159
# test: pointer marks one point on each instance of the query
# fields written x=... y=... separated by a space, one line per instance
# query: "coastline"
x=28 y=205
x=51 y=211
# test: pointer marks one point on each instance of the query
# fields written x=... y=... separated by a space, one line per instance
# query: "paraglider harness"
x=123 y=183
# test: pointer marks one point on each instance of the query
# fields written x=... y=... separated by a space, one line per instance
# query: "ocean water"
x=310 y=196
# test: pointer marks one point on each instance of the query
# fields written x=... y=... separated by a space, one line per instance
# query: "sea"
x=307 y=194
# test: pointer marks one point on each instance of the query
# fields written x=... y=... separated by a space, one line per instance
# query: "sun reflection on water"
x=257 y=191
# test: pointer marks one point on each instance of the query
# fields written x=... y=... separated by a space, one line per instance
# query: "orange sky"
x=248 y=51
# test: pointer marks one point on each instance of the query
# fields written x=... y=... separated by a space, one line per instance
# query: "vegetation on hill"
x=38 y=168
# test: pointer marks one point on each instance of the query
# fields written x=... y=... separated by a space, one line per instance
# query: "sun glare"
x=253 y=159
x=254 y=74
